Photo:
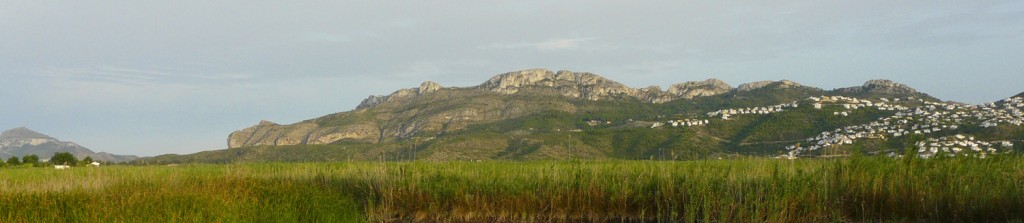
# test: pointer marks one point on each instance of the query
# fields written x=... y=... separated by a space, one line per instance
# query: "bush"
x=30 y=159
x=64 y=159
x=13 y=161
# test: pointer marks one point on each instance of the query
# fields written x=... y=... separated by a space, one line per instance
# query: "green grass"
x=746 y=190
x=202 y=193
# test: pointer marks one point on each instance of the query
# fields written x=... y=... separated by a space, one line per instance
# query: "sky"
x=153 y=77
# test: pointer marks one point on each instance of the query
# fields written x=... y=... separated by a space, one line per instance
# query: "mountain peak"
x=511 y=82
x=374 y=100
x=887 y=86
x=22 y=133
x=428 y=87
x=761 y=84
x=567 y=83
x=880 y=86
x=693 y=89
x=23 y=141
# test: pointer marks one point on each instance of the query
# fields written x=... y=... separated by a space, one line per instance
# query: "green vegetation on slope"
x=745 y=190
x=537 y=124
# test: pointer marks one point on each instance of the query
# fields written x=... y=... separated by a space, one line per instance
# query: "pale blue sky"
x=150 y=77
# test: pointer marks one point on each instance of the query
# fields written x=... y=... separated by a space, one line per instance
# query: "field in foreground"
x=750 y=190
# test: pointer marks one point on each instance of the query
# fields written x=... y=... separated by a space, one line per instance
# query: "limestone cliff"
x=566 y=83
x=306 y=132
x=689 y=90
x=374 y=100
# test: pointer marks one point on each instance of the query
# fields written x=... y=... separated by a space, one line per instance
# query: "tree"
x=14 y=161
x=87 y=160
x=64 y=159
x=30 y=159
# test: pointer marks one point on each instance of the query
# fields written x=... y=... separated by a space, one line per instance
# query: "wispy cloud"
x=551 y=44
x=104 y=74
x=136 y=76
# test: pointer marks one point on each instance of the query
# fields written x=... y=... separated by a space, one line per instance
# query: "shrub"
x=64 y=158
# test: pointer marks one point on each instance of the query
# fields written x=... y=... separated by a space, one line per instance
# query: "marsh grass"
x=199 y=193
x=745 y=190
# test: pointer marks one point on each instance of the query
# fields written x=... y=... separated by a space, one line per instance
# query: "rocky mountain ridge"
x=585 y=85
x=761 y=84
x=880 y=86
x=437 y=109
x=23 y=141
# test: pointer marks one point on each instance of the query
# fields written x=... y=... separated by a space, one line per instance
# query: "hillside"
x=23 y=141
x=540 y=114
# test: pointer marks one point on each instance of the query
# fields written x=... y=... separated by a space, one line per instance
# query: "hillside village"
x=931 y=119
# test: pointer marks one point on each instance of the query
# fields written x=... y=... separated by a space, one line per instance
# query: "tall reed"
x=743 y=190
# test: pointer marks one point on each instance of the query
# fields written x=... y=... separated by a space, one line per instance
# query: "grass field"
x=748 y=190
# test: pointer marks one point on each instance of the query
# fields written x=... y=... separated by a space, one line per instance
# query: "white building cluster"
x=931 y=118
x=726 y=113
x=687 y=122
x=681 y=123
x=849 y=103
x=1007 y=111
x=598 y=122
x=960 y=144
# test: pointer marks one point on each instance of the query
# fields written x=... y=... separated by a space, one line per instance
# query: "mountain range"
x=22 y=141
x=543 y=114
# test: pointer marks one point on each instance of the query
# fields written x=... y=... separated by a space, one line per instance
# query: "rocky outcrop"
x=593 y=87
x=428 y=87
x=271 y=134
x=880 y=86
x=374 y=100
x=783 y=84
x=252 y=135
x=689 y=90
x=570 y=84
x=371 y=101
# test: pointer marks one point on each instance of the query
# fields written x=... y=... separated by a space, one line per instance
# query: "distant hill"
x=23 y=141
x=542 y=114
